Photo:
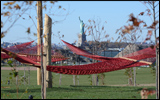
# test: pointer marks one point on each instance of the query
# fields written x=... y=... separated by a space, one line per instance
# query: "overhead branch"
x=157 y=4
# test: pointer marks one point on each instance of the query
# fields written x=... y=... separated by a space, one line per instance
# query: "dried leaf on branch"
x=59 y=7
x=2 y=35
x=134 y=20
x=6 y=13
x=28 y=30
x=6 y=3
x=147 y=38
x=17 y=6
x=149 y=33
x=124 y=31
x=35 y=34
x=141 y=13
x=153 y=25
x=106 y=36
x=1 y=24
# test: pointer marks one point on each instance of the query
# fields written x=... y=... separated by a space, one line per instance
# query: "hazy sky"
x=115 y=13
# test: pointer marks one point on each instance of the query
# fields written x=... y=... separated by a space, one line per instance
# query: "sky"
x=66 y=21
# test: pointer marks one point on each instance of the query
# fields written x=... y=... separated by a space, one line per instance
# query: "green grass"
x=82 y=91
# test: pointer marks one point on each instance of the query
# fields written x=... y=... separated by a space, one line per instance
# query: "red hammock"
x=35 y=58
x=19 y=47
x=31 y=50
x=21 y=59
x=138 y=55
x=109 y=64
x=26 y=50
x=100 y=67
x=4 y=56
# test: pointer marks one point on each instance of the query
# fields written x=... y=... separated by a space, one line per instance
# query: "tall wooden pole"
x=39 y=33
x=47 y=46
x=157 y=65
x=158 y=74
x=40 y=72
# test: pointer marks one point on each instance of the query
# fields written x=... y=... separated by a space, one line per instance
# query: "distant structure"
x=127 y=50
x=81 y=36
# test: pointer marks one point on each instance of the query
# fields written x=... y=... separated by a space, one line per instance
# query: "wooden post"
x=134 y=76
x=47 y=45
x=44 y=68
x=74 y=83
x=39 y=34
x=96 y=80
x=17 y=80
x=157 y=53
x=60 y=77
x=93 y=76
x=158 y=73
x=40 y=72
x=134 y=68
x=74 y=80
x=78 y=79
x=29 y=75
x=24 y=75
x=16 y=70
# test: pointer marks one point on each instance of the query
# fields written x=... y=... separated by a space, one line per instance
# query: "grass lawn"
x=82 y=91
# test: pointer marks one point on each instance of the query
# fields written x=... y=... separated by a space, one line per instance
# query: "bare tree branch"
x=157 y=4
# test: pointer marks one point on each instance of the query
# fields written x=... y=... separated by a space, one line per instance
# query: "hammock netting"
x=95 y=68
x=147 y=54
x=138 y=55
x=107 y=64
x=29 y=51
x=21 y=58
x=20 y=47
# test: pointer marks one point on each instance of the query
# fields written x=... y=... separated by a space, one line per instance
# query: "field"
x=115 y=86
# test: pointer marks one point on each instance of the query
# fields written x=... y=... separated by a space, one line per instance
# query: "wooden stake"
x=60 y=77
x=47 y=45
x=44 y=68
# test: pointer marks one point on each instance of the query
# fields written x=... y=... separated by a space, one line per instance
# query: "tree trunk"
x=40 y=72
x=158 y=74
x=39 y=33
x=157 y=55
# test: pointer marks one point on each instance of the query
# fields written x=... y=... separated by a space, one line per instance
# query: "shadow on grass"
x=53 y=89
x=64 y=89
x=86 y=86
x=80 y=88
x=115 y=88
